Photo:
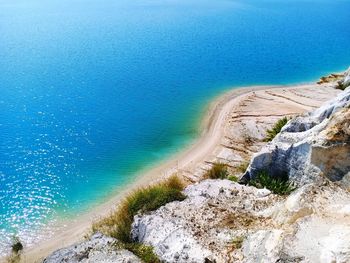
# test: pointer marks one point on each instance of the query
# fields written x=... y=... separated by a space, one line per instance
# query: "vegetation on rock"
x=217 y=171
x=232 y=178
x=220 y=171
x=278 y=185
x=276 y=129
x=144 y=252
x=243 y=167
x=118 y=224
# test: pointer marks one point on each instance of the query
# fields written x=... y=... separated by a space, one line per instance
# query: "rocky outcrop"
x=222 y=221
x=345 y=82
x=98 y=248
x=310 y=147
x=331 y=78
x=203 y=227
x=249 y=117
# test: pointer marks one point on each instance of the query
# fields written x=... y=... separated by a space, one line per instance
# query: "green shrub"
x=217 y=171
x=17 y=246
x=279 y=185
x=144 y=252
x=173 y=182
x=118 y=224
x=233 y=178
x=242 y=167
x=276 y=129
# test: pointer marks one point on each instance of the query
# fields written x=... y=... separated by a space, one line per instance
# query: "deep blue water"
x=91 y=92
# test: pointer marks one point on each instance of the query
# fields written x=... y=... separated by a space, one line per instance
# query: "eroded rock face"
x=202 y=227
x=346 y=80
x=316 y=224
x=310 y=225
x=310 y=146
x=97 y=249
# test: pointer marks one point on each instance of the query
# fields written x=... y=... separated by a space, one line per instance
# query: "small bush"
x=233 y=178
x=17 y=246
x=242 y=167
x=173 y=182
x=118 y=224
x=281 y=185
x=217 y=171
x=276 y=129
x=144 y=252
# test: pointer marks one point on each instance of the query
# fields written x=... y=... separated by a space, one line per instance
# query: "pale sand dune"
x=233 y=129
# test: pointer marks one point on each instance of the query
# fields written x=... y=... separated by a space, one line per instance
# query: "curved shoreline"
x=211 y=128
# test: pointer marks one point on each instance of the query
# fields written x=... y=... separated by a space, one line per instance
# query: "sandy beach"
x=234 y=115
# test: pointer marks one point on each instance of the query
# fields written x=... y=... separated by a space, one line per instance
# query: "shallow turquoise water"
x=91 y=92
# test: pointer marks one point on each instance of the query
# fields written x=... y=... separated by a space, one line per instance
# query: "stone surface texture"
x=98 y=248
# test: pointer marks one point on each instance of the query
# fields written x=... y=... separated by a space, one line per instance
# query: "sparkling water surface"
x=92 y=92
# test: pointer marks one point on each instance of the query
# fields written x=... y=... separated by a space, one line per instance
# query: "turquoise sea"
x=94 y=91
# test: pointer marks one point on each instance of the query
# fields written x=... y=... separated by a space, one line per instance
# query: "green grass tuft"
x=242 y=167
x=144 y=252
x=17 y=245
x=217 y=171
x=118 y=224
x=276 y=129
x=233 y=178
x=281 y=186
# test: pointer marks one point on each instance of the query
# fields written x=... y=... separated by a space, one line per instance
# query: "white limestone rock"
x=302 y=227
x=346 y=81
x=99 y=248
x=263 y=246
x=312 y=225
x=310 y=146
x=201 y=228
